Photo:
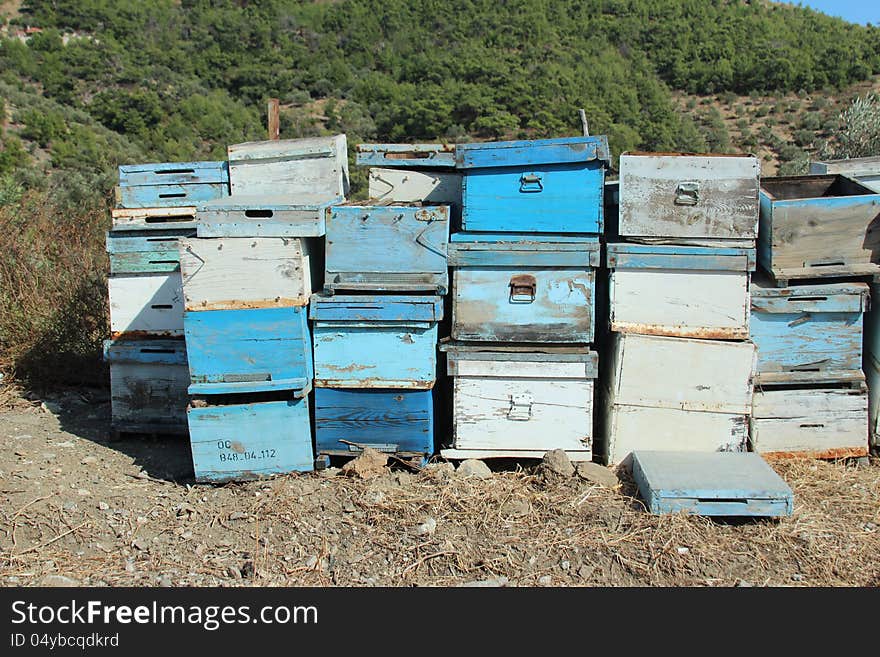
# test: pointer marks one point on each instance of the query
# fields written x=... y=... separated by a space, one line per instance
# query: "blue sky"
x=855 y=11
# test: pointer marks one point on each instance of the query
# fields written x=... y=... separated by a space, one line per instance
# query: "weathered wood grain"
x=411 y=186
x=146 y=304
x=427 y=156
x=154 y=196
x=173 y=173
x=142 y=219
x=263 y=216
x=564 y=150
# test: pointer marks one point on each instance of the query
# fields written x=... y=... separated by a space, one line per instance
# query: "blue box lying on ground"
x=546 y=185
x=264 y=216
x=396 y=421
x=710 y=484
x=171 y=184
x=375 y=341
x=232 y=442
x=148 y=381
x=390 y=248
x=513 y=287
x=145 y=252
x=425 y=156
x=250 y=350
x=808 y=333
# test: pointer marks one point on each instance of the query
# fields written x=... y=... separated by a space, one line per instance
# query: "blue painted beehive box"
x=710 y=484
x=511 y=287
x=265 y=216
x=421 y=156
x=808 y=333
x=233 y=442
x=145 y=251
x=395 y=421
x=248 y=350
x=171 y=184
x=374 y=341
x=545 y=185
x=389 y=248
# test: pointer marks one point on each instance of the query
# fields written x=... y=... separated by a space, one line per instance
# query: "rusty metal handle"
x=523 y=288
x=687 y=192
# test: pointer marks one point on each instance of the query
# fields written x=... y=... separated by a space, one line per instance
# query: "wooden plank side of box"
x=155 y=196
x=146 y=304
x=410 y=186
x=173 y=173
x=428 y=156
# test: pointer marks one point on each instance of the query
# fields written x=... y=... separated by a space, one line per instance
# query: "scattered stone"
x=682 y=550
x=743 y=583
x=237 y=515
x=565 y=564
x=234 y=573
x=598 y=474
x=492 y=582
x=89 y=460
x=797 y=577
x=557 y=462
x=12 y=579
x=247 y=569
x=545 y=580
x=103 y=506
x=442 y=470
x=369 y=463
x=329 y=472
x=84 y=492
x=312 y=561
x=348 y=507
x=49 y=456
x=515 y=508
x=140 y=544
x=585 y=571
x=427 y=528
x=129 y=565
x=20 y=452
x=58 y=580
x=474 y=468
x=165 y=580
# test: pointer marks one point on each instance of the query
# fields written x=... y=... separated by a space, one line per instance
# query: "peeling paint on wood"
x=144 y=219
x=411 y=186
x=139 y=252
x=427 y=156
x=264 y=216
x=146 y=304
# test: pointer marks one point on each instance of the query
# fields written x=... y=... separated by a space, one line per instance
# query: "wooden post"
x=274 y=121
x=584 y=126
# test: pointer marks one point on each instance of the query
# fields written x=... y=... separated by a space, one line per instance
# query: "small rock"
x=89 y=460
x=369 y=463
x=565 y=565
x=797 y=577
x=103 y=506
x=329 y=472
x=743 y=583
x=235 y=573
x=165 y=580
x=348 y=507
x=585 y=571
x=682 y=550
x=129 y=565
x=545 y=580
x=84 y=492
x=492 y=582
x=238 y=515
x=474 y=468
x=516 y=508
x=557 y=462
x=186 y=535
x=58 y=580
x=20 y=452
x=598 y=474
x=442 y=470
x=51 y=407
x=247 y=569
x=49 y=456
x=140 y=544
x=312 y=561
x=427 y=528
x=12 y=579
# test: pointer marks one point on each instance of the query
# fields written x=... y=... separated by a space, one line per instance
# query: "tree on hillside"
x=859 y=134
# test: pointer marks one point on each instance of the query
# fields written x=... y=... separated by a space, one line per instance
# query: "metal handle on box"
x=523 y=288
x=531 y=183
x=687 y=193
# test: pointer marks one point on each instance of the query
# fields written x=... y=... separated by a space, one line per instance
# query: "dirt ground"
x=79 y=508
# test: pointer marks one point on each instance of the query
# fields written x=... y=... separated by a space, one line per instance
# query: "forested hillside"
x=88 y=84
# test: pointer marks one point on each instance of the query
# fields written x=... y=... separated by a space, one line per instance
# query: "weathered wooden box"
x=264 y=216
x=521 y=402
x=388 y=248
x=145 y=251
x=710 y=484
x=424 y=156
x=676 y=394
x=238 y=272
x=234 y=442
x=682 y=198
x=395 y=421
x=146 y=305
x=315 y=166
x=148 y=381
x=545 y=185
x=818 y=227
x=821 y=422
x=522 y=288
x=871 y=366
x=171 y=184
x=250 y=350
x=808 y=333
x=160 y=219
x=414 y=186
x=374 y=341
x=685 y=291
x=864 y=170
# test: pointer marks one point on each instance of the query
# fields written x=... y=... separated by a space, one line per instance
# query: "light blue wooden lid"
x=565 y=150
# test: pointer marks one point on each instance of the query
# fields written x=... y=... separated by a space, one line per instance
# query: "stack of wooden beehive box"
x=680 y=366
x=811 y=398
x=146 y=352
x=375 y=324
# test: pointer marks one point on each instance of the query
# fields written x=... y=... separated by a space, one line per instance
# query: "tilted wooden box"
x=394 y=421
x=681 y=198
x=864 y=170
x=388 y=248
x=171 y=184
x=826 y=422
x=808 y=333
x=235 y=442
x=509 y=287
x=521 y=402
x=145 y=251
x=248 y=350
x=685 y=291
x=425 y=156
x=264 y=216
x=818 y=227
x=314 y=166
x=146 y=304
x=710 y=484
x=148 y=381
x=413 y=186
x=374 y=341
x=677 y=394
x=247 y=272
x=544 y=185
